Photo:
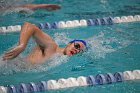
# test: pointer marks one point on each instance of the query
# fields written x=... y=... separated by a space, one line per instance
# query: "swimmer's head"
x=74 y=47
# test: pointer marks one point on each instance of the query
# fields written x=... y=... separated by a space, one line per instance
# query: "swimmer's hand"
x=51 y=7
x=13 y=52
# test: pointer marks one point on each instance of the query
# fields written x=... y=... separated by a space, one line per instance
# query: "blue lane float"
x=41 y=26
x=119 y=76
x=22 y=88
x=100 y=79
x=91 y=80
x=12 y=89
x=97 y=21
x=90 y=22
x=42 y=86
x=110 y=78
x=77 y=23
x=47 y=25
x=54 y=25
x=103 y=21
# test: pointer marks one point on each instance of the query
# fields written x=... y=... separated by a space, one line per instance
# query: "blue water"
x=112 y=47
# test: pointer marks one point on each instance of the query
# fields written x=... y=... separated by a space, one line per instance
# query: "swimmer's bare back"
x=49 y=7
x=45 y=48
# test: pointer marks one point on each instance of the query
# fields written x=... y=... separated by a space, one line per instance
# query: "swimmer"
x=46 y=46
x=48 y=7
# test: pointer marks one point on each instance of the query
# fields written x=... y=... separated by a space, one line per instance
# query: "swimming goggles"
x=77 y=46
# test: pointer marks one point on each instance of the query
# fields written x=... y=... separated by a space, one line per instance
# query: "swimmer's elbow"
x=27 y=23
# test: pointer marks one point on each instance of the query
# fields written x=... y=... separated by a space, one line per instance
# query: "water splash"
x=61 y=38
x=100 y=45
x=8 y=6
x=104 y=1
x=18 y=10
x=12 y=66
x=57 y=59
x=10 y=3
x=20 y=65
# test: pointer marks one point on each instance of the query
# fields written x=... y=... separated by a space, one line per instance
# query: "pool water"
x=112 y=48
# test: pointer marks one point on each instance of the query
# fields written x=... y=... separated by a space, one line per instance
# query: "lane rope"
x=77 y=23
x=99 y=79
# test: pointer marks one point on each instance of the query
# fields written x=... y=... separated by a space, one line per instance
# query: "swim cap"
x=76 y=40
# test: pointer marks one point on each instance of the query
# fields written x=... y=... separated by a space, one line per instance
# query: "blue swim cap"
x=76 y=40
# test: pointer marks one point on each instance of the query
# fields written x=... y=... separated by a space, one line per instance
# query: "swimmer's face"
x=74 y=48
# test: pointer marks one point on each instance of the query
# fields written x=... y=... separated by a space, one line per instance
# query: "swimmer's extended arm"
x=41 y=6
x=28 y=30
